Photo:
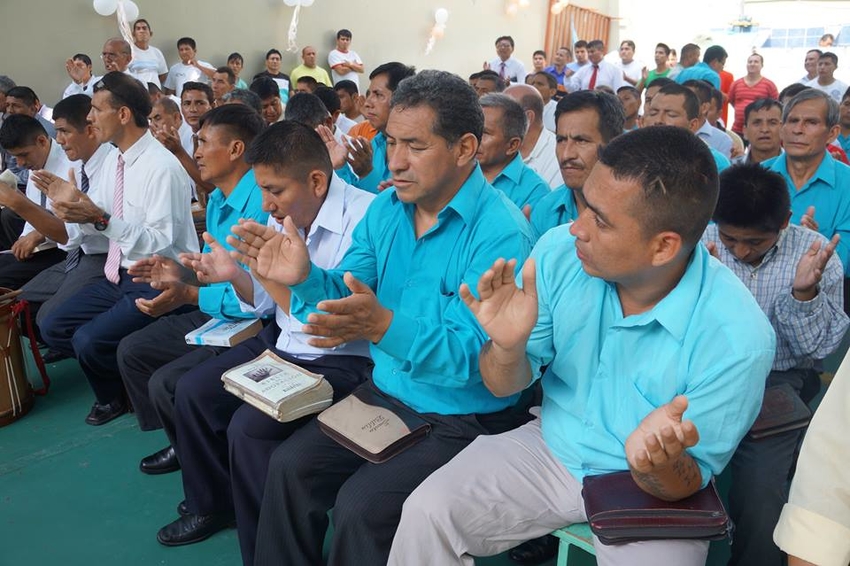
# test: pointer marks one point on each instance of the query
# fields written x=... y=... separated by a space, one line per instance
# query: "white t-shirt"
x=148 y=64
x=336 y=57
x=181 y=74
x=835 y=90
x=632 y=70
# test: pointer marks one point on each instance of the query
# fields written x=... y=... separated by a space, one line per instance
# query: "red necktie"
x=592 y=84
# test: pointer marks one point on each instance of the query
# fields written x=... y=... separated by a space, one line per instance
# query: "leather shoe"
x=102 y=414
x=162 y=462
x=535 y=551
x=183 y=509
x=52 y=356
x=192 y=528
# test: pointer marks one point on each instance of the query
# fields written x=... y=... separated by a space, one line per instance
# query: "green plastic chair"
x=576 y=535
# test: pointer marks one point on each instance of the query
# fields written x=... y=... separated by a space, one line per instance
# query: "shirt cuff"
x=812 y=537
x=311 y=290
x=399 y=336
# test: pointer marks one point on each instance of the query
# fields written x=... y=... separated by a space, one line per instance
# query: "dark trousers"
x=53 y=286
x=11 y=226
x=309 y=474
x=15 y=274
x=153 y=359
x=761 y=472
x=90 y=325
x=224 y=445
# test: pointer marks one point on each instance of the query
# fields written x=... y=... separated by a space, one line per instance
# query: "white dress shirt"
x=327 y=242
x=514 y=69
x=544 y=160
x=549 y=115
x=608 y=75
x=101 y=187
x=58 y=164
x=157 y=218
x=86 y=88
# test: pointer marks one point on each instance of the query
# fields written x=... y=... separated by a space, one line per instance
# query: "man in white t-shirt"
x=188 y=69
x=826 y=81
x=148 y=64
x=345 y=63
x=631 y=67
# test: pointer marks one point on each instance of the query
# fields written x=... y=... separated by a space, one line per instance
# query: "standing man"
x=284 y=83
x=223 y=81
x=826 y=81
x=344 y=62
x=708 y=70
x=509 y=68
x=662 y=54
x=580 y=52
x=82 y=80
x=148 y=64
x=559 y=68
x=189 y=69
x=597 y=72
x=762 y=129
x=308 y=68
x=116 y=56
x=810 y=63
x=628 y=64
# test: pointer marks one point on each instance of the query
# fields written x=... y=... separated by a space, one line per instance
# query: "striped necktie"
x=73 y=258
x=113 y=258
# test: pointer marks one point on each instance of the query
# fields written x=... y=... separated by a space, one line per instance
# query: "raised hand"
x=808 y=219
x=76 y=70
x=55 y=187
x=507 y=313
x=169 y=138
x=215 y=266
x=280 y=257
x=360 y=155
x=80 y=211
x=337 y=151
x=810 y=269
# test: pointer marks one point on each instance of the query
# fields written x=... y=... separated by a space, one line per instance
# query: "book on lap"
x=781 y=411
x=281 y=389
x=224 y=333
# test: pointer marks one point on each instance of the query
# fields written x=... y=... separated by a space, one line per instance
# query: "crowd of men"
x=589 y=237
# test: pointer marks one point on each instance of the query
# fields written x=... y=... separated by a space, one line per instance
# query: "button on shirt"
x=58 y=164
x=707 y=339
x=86 y=88
x=380 y=170
x=219 y=300
x=829 y=192
x=329 y=238
x=555 y=209
x=805 y=331
x=101 y=188
x=520 y=183
x=428 y=358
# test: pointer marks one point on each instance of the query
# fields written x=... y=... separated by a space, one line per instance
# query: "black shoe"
x=183 y=509
x=53 y=356
x=102 y=414
x=192 y=528
x=535 y=551
x=162 y=462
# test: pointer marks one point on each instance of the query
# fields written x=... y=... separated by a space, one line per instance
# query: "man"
x=330 y=100
x=547 y=86
x=559 y=67
x=498 y=153
x=284 y=83
x=708 y=70
x=222 y=82
x=631 y=274
x=705 y=129
x=587 y=122
x=509 y=68
x=797 y=281
x=650 y=92
x=306 y=84
x=148 y=213
x=598 y=72
x=308 y=68
x=165 y=116
x=538 y=145
x=246 y=97
x=580 y=52
x=116 y=56
x=148 y=64
x=155 y=357
x=23 y=100
x=235 y=62
x=630 y=99
x=762 y=127
x=82 y=80
x=439 y=226
x=24 y=138
x=189 y=69
x=843 y=138
x=818 y=184
x=689 y=58
x=631 y=68
x=676 y=105
x=350 y=101
x=344 y=62
x=538 y=61
x=489 y=81
x=662 y=54
x=810 y=63
x=269 y=93
x=826 y=81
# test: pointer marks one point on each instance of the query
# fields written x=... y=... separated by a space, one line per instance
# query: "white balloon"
x=441 y=16
x=306 y=3
x=131 y=10
x=105 y=7
x=290 y=2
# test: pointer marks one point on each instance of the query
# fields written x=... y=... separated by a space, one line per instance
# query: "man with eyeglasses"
x=116 y=56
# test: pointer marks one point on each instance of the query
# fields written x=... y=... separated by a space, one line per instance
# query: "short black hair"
x=580 y=44
x=125 y=90
x=202 y=87
x=25 y=94
x=490 y=75
x=701 y=88
x=240 y=121
x=507 y=38
x=395 y=71
x=596 y=44
x=660 y=82
x=550 y=78
x=311 y=82
x=714 y=53
x=74 y=110
x=514 y=122
x=20 y=130
x=235 y=56
x=677 y=174
x=291 y=149
x=306 y=108
x=168 y=105
x=153 y=89
x=187 y=41
x=791 y=91
x=539 y=52
x=246 y=97
x=691 y=99
x=144 y=21
x=273 y=51
x=231 y=76
x=688 y=49
x=761 y=104
x=82 y=57
x=265 y=88
x=829 y=55
x=348 y=86
x=664 y=47
x=752 y=197
x=343 y=33
x=329 y=98
x=607 y=106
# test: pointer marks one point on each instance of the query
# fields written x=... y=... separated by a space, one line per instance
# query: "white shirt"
x=181 y=74
x=336 y=57
x=514 y=69
x=187 y=140
x=633 y=70
x=716 y=139
x=86 y=88
x=544 y=160
x=836 y=89
x=157 y=218
x=344 y=123
x=549 y=115
x=608 y=75
x=101 y=185
x=58 y=164
x=327 y=242
x=148 y=64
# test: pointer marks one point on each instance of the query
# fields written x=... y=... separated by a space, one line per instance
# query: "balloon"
x=290 y=2
x=105 y=7
x=306 y=3
x=441 y=16
x=131 y=10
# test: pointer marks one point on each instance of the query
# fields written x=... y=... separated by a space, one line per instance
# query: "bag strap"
x=22 y=306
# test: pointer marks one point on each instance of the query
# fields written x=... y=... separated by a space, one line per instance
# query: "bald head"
x=529 y=98
x=116 y=55
x=308 y=55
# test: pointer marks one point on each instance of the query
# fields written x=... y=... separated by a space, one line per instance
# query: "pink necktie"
x=502 y=70
x=113 y=258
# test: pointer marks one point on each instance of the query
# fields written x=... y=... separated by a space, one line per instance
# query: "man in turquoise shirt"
x=364 y=164
x=586 y=121
x=498 y=155
x=637 y=325
x=709 y=70
x=442 y=225
x=151 y=360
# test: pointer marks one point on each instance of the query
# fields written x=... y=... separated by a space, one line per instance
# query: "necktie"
x=592 y=84
x=73 y=258
x=113 y=258
x=502 y=70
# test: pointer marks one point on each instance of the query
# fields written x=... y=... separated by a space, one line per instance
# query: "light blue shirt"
x=521 y=183
x=219 y=300
x=555 y=209
x=700 y=71
x=707 y=339
x=380 y=170
x=829 y=192
x=428 y=358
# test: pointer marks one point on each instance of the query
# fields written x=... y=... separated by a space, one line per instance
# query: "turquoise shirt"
x=245 y=201
x=699 y=71
x=521 y=183
x=556 y=208
x=844 y=142
x=829 y=192
x=428 y=358
x=707 y=339
x=720 y=160
x=380 y=170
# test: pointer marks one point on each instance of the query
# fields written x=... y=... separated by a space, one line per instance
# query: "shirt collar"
x=95 y=162
x=330 y=216
x=466 y=200
x=137 y=149
x=825 y=171
x=54 y=158
x=513 y=170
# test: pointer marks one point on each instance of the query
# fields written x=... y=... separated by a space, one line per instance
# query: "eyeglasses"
x=109 y=56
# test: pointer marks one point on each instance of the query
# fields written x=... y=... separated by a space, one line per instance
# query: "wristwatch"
x=101 y=223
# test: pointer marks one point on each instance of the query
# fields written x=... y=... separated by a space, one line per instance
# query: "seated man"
x=269 y=94
x=636 y=325
x=798 y=283
x=538 y=144
x=222 y=82
x=442 y=224
x=547 y=86
x=498 y=155
x=706 y=129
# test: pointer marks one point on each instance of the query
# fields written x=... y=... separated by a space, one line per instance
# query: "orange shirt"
x=726 y=80
x=363 y=130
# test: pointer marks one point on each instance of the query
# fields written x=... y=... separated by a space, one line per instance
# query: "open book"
x=280 y=389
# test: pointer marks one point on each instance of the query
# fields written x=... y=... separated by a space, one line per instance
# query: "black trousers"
x=224 y=445
x=309 y=474
x=15 y=274
x=11 y=226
